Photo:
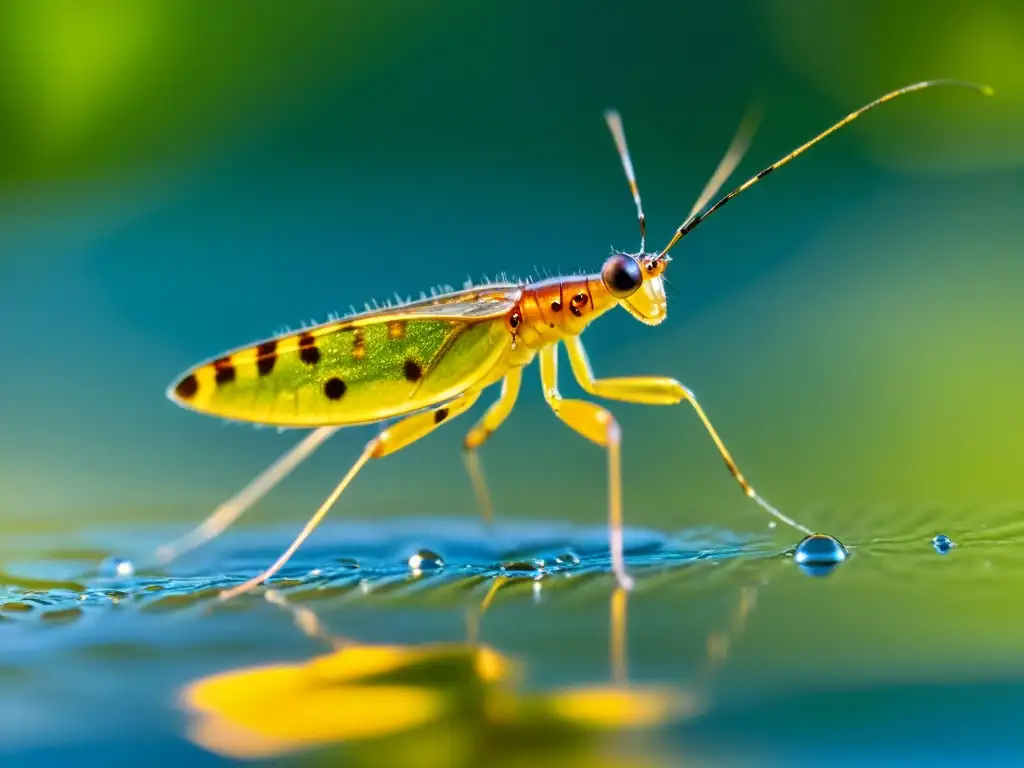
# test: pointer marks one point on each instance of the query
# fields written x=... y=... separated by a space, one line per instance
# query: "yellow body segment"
x=359 y=370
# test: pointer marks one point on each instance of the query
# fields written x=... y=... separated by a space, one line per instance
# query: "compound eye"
x=622 y=275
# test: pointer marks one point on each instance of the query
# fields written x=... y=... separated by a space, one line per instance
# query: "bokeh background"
x=179 y=178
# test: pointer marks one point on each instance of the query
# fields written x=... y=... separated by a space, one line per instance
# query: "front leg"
x=660 y=390
x=599 y=426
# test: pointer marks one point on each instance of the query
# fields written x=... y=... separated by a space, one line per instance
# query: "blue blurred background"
x=179 y=178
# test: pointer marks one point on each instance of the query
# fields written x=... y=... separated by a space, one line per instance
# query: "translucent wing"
x=359 y=369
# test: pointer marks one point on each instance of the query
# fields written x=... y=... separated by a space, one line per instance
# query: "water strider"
x=428 y=361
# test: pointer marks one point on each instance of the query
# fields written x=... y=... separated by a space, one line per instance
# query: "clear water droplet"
x=819 y=554
x=117 y=568
x=426 y=560
x=568 y=558
x=943 y=543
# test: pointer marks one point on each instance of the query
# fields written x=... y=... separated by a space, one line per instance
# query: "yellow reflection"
x=461 y=698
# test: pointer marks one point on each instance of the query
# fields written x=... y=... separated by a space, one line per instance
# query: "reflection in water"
x=450 y=703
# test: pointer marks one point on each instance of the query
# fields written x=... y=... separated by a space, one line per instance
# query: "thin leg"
x=394 y=438
x=307 y=620
x=236 y=506
x=482 y=430
x=658 y=390
x=599 y=426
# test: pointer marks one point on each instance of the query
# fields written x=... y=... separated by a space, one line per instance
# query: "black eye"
x=621 y=275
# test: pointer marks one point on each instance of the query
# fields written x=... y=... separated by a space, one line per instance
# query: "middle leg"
x=483 y=429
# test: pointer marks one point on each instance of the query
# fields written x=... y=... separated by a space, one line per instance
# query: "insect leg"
x=394 y=438
x=236 y=506
x=482 y=430
x=660 y=390
x=599 y=426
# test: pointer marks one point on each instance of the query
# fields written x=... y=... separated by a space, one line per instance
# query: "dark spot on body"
x=309 y=353
x=266 y=357
x=335 y=388
x=225 y=370
x=412 y=370
x=578 y=302
x=187 y=387
x=440 y=415
x=359 y=344
x=556 y=306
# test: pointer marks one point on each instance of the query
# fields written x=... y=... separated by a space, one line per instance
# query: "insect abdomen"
x=345 y=374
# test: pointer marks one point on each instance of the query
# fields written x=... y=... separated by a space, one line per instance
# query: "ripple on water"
x=369 y=561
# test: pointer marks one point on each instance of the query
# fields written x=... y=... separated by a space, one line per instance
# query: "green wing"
x=361 y=369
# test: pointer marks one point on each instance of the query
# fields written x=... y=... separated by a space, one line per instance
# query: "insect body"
x=427 y=362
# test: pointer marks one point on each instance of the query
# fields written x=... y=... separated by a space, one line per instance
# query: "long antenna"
x=739 y=146
x=694 y=219
x=619 y=135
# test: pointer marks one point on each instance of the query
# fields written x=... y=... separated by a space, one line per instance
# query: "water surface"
x=901 y=652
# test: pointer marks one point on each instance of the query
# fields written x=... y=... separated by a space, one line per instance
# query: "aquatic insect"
x=427 y=362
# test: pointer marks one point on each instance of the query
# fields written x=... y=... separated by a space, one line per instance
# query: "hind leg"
x=237 y=505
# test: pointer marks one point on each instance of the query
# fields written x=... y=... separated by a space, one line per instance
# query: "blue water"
x=878 y=662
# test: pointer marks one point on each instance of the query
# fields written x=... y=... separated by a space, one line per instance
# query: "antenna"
x=619 y=134
x=694 y=219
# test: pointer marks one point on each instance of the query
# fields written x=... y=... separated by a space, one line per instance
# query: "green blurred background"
x=178 y=178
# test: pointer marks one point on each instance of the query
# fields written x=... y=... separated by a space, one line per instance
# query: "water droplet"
x=568 y=558
x=819 y=554
x=117 y=568
x=426 y=560
x=942 y=543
